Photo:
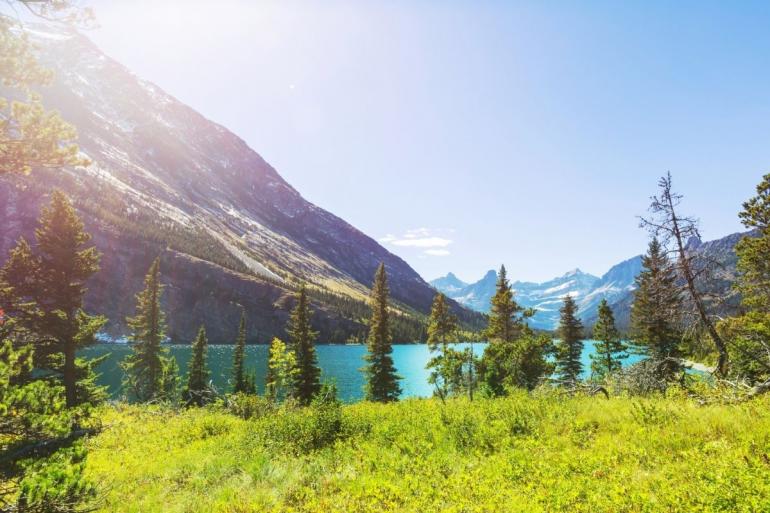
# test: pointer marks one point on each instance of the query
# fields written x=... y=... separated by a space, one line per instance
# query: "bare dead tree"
x=674 y=232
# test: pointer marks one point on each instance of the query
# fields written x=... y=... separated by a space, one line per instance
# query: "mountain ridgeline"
x=230 y=232
x=616 y=286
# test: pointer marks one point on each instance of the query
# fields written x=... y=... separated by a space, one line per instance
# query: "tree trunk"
x=690 y=279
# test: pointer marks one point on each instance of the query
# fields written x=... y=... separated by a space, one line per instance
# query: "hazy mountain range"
x=616 y=285
x=230 y=231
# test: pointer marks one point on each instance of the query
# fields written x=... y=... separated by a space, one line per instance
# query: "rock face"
x=616 y=286
x=166 y=181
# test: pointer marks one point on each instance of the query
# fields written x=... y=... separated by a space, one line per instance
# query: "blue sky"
x=464 y=135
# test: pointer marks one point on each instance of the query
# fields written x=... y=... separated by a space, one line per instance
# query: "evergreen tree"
x=40 y=472
x=569 y=349
x=506 y=317
x=515 y=357
x=754 y=252
x=30 y=136
x=381 y=378
x=447 y=366
x=610 y=349
x=307 y=382
x=281 y=371
x=243 y=382
x=749 y=333
x=145 y=368
x=44 y=290
x=197 y=392
x=656 y=311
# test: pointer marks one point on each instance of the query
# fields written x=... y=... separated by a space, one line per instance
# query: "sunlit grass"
x=515 y=454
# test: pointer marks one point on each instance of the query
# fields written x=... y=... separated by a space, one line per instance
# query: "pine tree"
x=45 y=289
x=447 y=366
x=506 y=317
x=38 y=473
x=754 y=252
x=657 y=310
x=749 y=333
x=610 y=349
x=307 y=381
x=243 y=382
x=30 y=136
x=514 y=357
x=197 y=392
x=569 y=349
x=145 y=368
x=381 y=378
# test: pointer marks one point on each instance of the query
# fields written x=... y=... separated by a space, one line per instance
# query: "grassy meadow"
x=522 y=453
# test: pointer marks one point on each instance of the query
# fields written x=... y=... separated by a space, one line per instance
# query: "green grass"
x=521 y=453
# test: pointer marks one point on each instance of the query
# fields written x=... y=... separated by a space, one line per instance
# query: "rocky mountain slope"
x=616 y=285
x=231 y=232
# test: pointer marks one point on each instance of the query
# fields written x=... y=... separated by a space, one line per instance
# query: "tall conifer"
x=146 y=367
x=243 y=381
x=45 y=290
x=506 y=315
x=306 y=383
x=381 y=378
x=197 y=391
x=610 y=349
x=657 y=309
x=514 y=357
x=569 y=349
x=749 y=333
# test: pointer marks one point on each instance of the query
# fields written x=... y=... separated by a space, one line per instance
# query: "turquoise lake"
x=341 y=363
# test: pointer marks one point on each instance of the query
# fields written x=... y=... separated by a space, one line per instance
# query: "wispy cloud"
x=424 y=242
x=422 y=238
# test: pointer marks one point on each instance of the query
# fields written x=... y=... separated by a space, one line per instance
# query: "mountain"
x=546 y=297
x=449 y=283
x=616 y=285
x=475 y=296
x=231 y=232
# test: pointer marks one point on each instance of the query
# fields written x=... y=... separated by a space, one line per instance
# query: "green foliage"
x=146 y=369
x=569 y=349
x=198 y=392
x=754 y=252
x=41 y=469
x=520 y=363
x=610 y=349
x=281 y=371
x=749 y=334
x=506 y=317
x=448 y=367
x=307 y=379
x=44 y=291
x=250 y=406
x=301 y=431
x=30 y=136
x=243 y=381
x=381 y=378
x=514 y=357
x=526 y=453
x=657 y=310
